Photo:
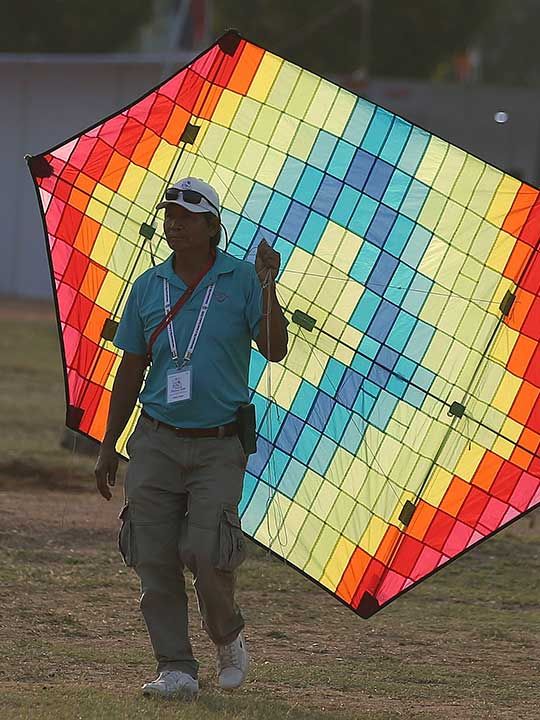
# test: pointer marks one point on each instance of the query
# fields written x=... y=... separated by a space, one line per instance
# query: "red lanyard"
x=177 y=307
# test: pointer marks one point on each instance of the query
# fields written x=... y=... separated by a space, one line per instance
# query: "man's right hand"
x=105 y=470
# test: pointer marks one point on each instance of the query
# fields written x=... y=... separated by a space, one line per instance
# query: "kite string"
x=273 y=496
x=417 y=290
x=151 y=217
x=272 y=503
x=362 y=432
x=271 y=400
x=450 y=294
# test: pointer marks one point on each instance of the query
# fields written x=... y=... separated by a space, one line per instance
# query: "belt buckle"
x=221 y=431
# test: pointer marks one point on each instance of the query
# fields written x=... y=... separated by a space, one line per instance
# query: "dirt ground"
x=70 y=617
x=461 y=646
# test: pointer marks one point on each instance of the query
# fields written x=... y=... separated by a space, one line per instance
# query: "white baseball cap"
x=193 y=194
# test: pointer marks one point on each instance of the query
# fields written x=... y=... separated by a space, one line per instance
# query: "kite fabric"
x=403 y=426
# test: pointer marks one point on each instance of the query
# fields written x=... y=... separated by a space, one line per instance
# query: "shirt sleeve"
x=130 y=332
x=254 y=303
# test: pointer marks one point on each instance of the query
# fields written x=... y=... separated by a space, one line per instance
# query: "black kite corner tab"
x=456 y=409
x=190 y=133
x=147 y=231
x=507 y=302
x=407 y=512
x=74 y=416
x=368 y=606
x=303 y=320
x=109 y=329
x=39 y=166
x=229 y=42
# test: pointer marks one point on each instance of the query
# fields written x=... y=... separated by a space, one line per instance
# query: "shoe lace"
x=163 y=675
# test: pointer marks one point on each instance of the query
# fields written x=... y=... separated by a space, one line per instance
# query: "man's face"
x=185 y=230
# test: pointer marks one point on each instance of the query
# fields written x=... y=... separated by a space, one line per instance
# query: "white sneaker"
x=172 y=683
x=232 y=663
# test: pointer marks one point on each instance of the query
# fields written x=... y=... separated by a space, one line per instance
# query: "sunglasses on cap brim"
x=193 y=197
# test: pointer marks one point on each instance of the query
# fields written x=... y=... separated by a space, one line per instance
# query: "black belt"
x=219 y=432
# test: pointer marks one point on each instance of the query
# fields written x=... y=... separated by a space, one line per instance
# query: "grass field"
x=463 y=645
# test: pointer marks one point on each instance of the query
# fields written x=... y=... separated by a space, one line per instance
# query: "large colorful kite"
x=403 y=427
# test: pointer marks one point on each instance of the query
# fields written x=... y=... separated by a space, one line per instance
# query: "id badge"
x=178 y=384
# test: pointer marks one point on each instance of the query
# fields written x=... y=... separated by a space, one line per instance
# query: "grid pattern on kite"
x=400 y=246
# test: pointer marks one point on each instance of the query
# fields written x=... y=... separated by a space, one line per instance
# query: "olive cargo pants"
x=181 y=510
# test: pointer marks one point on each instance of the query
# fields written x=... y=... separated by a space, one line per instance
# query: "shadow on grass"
x=19 y=474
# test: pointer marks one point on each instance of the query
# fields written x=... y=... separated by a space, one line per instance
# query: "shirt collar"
x=224 y=263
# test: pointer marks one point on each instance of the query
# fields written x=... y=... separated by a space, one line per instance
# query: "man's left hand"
x=267 y=263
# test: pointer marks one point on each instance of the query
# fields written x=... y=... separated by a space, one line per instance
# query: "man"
x=184 y=478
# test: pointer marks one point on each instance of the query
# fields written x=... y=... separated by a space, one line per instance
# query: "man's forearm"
x=273 y=329
x=124 y=395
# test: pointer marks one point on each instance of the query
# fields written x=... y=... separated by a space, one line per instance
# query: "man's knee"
x=159 y=582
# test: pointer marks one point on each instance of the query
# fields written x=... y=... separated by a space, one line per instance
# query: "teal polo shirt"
x=220 y=362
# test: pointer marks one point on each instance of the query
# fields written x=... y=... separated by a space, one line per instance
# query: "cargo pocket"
x=126 y=543
x=232 y=544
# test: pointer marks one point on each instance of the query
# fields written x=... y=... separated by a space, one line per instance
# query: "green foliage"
x=71 y=26
x=388 y=37
x=392 y=37
x=316 y=34
x=411 y=38
x=508 y=44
